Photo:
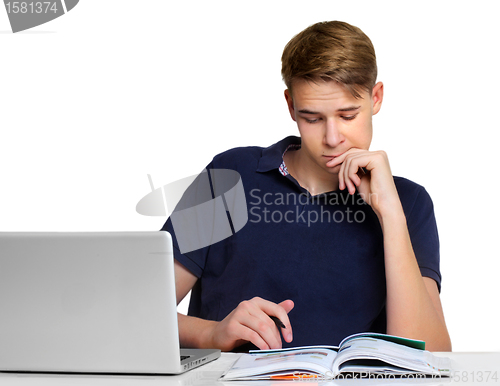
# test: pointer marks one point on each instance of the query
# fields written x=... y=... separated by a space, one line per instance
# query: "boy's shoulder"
x=412 y=195
x=406 y=184
x=238 y=157
x=263 y=158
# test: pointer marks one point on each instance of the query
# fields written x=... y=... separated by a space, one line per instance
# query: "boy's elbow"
x=447 y=345
x=443 y=344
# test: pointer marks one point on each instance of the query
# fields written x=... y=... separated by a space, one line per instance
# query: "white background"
x=92 y=102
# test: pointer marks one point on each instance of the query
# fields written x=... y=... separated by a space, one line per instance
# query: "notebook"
x=91 y=303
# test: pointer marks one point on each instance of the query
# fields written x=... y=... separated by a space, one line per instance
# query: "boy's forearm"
x=410 y=310
x=195 y=332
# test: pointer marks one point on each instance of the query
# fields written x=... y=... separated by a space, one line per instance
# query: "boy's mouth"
x=332 y=156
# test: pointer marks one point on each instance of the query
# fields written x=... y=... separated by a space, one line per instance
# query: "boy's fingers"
x=249 y=335
x=281 y=312
x=266 y=329
x=273 y=309
x=252 y=316
x=287 y=305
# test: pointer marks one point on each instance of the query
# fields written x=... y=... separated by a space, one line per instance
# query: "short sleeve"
x=194 y=260
x=211 y=210
x=422 y=227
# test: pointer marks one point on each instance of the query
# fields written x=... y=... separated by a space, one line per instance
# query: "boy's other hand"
x=250 y=322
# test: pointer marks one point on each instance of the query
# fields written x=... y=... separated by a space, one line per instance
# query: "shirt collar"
x=272 y=156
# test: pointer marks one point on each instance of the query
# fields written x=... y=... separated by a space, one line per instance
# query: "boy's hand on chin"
x=369 y=172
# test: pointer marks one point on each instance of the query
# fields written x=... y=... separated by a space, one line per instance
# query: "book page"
x=311 y=360
x=414 y=343
x=393 y=354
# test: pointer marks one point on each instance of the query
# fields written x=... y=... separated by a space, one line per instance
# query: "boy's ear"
x=377 y=97
x=289 y=102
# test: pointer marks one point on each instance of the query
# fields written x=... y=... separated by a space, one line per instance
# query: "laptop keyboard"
x=184 y=357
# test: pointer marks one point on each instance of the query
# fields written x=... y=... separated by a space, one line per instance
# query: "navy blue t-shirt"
x=324 y=252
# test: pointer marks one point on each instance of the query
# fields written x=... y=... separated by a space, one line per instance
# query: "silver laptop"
x=91 y=303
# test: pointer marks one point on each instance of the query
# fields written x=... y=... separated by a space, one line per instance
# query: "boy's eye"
x=312 y=120
x=349 y=117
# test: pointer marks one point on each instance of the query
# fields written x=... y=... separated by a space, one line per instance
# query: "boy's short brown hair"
x=331 y=50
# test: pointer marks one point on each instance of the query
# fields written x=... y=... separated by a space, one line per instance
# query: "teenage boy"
x=334 y=244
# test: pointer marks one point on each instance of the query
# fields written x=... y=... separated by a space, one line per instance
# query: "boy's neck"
x=308 y=174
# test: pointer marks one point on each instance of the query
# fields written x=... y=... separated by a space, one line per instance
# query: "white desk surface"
x=477 y=368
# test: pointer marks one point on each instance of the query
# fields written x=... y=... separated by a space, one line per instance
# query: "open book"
x=364 y=355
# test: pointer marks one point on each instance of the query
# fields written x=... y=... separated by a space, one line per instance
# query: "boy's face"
x=330 y=120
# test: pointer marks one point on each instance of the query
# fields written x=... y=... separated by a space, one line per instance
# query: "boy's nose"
x=333 y=137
